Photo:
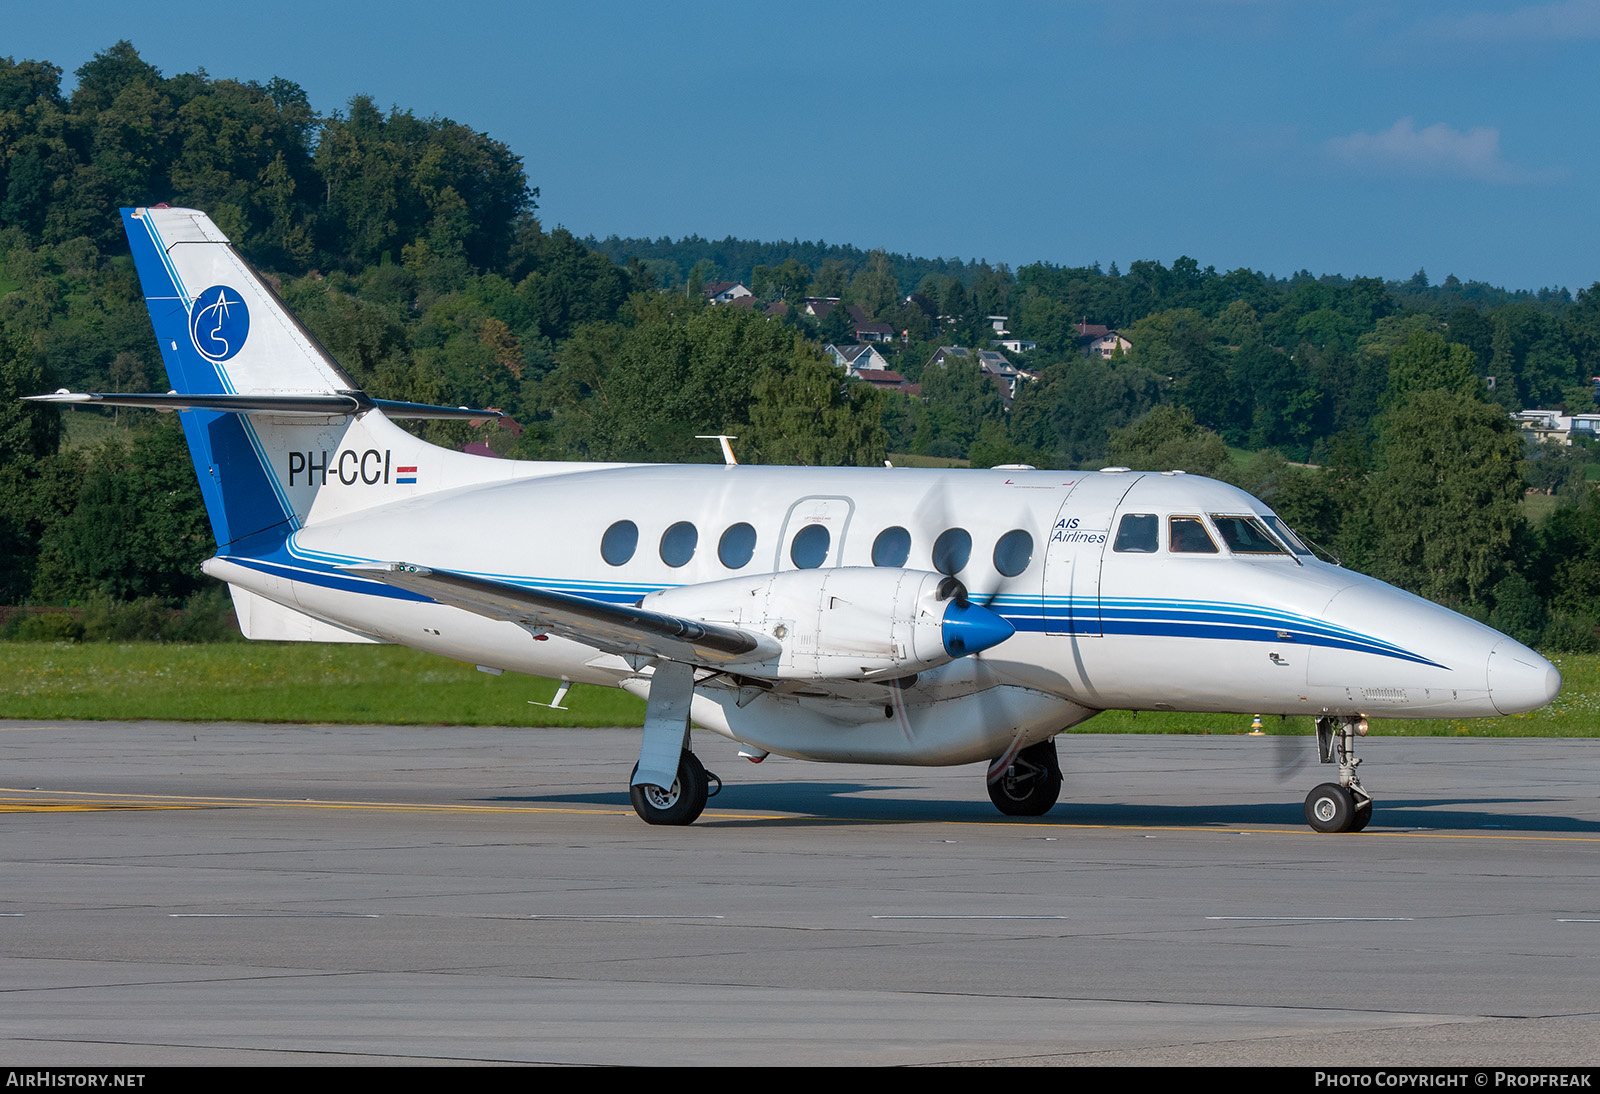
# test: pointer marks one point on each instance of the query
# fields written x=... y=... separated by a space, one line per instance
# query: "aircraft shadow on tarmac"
x=822 y=802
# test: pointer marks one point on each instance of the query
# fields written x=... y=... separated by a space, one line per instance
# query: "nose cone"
x=1519 y=679
x=969 y=628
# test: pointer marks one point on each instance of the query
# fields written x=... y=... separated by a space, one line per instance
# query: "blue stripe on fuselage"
x=1181 y=619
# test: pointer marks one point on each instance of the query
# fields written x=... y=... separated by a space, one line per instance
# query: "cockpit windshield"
x=1286 y=534
x=1246 y=535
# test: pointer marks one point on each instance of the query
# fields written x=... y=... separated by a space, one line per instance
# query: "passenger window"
x=810 y=547
x=1013 y=552
x=619 y=542
x=737 y=546
x=1138 y=533
x=678 y=543
x=952 y=550
x=1187 y=535
x=892 y=547
x=1245 y=536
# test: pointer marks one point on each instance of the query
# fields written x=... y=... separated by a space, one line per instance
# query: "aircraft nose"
x=1519 y=679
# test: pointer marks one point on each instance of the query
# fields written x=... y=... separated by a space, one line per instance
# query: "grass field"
x=284 y=682
x=296 y=682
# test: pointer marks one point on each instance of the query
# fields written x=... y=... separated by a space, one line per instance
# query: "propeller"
x=951 y=546
x=936 y=523
x=1289 y=754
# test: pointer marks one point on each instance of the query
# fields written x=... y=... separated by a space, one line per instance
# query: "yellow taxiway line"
x=17 y=800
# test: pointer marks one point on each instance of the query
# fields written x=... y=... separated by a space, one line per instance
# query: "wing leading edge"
x=615 y=628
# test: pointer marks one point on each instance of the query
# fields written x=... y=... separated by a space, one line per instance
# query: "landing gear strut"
x=669 y=785
x=1344 y=806
x=1030 y=784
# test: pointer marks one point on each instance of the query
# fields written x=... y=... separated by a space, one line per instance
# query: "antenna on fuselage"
x=727 y=449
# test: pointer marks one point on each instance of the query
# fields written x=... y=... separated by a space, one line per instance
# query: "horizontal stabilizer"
x=615 y=628
x=314 y=403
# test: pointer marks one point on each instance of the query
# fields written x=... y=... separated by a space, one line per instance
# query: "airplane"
x=848 y=615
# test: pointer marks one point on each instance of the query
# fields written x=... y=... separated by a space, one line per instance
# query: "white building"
x=725 y=292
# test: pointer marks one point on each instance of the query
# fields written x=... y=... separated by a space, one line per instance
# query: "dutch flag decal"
x=405 y=475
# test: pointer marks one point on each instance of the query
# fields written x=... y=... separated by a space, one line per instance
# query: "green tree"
x=29 y=434
x=875 y=288
x=1168 y=439
x=1446 y=501
x=1308 y=498
x=1426 y=362
x=831 y=277
x=643 y=392
x=137 y=527
x=803 y=412
x=1081 y=401
x=1557 y=468
x=838 y=327
x=1178 y=344
x=1566 y=569
x=1278 y=403
x=960 y=399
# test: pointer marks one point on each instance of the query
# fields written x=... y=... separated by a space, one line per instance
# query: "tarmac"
x=177 y=893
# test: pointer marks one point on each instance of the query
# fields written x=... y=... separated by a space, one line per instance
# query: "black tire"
x=1330 y=808
x=680 y=804
x=1031 y=785
x=1362 y=818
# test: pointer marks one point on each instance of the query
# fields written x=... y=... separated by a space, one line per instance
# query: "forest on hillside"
x=412 y=246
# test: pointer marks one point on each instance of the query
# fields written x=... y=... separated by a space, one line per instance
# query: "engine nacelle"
x=846 y=623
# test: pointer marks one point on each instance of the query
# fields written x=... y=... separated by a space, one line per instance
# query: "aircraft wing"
x=614 y=628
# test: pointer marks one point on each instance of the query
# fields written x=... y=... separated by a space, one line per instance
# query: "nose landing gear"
x=1344 y=806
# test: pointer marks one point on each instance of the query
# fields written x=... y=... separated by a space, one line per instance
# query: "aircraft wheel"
x=1330 y=808
x=1362 y=817
x=1031 y=785
x=680 y=804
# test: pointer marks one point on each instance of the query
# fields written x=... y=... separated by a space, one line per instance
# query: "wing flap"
x=615 y=628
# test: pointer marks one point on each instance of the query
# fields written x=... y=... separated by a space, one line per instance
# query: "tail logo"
x=219 y=323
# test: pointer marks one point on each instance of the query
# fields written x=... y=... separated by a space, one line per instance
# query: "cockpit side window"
x=1188 y=535
x=1246 y=536
x=1138 y=533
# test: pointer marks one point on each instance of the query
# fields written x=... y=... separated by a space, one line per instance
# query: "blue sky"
x=1341 y=137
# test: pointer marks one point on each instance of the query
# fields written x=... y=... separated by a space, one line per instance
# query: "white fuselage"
x=1097 y=628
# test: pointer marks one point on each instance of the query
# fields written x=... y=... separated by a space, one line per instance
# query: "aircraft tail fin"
x=271 y=419
x=222 y=329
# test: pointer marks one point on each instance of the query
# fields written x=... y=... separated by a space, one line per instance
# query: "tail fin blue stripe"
x=243 y=497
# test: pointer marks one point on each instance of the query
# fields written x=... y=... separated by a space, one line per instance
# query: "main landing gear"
x=669 y=784
x=1030 y=784
x=681 y=803
x=1344 y=806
